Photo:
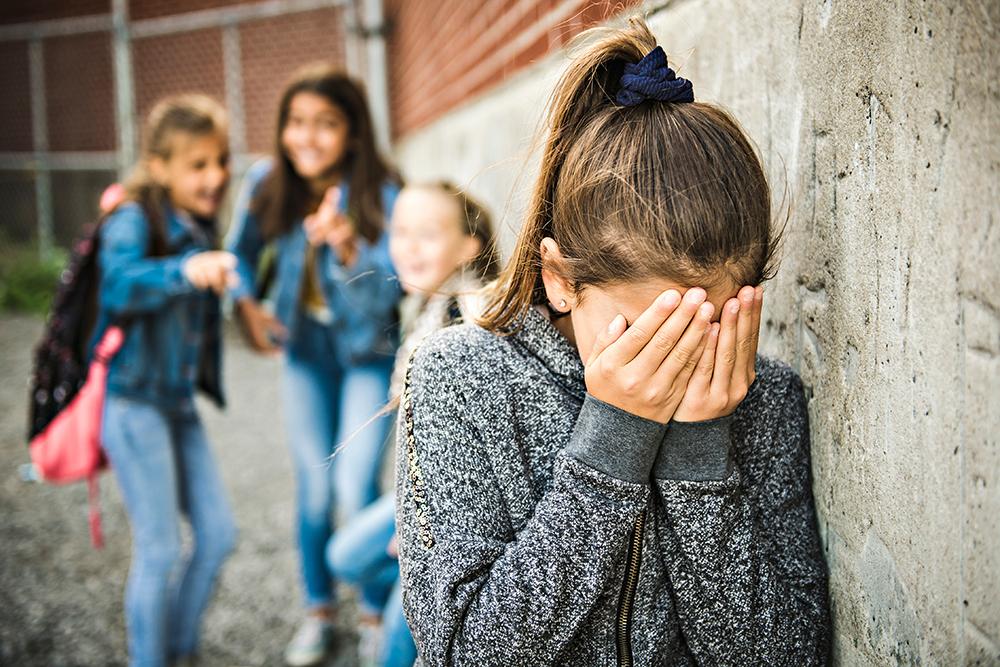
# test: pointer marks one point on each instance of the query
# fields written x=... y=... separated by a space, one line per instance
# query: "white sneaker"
x=311 y=643
x=369 y=644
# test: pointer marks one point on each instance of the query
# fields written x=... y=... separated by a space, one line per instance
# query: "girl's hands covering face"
x=673 y=362
x=644 y=369
x=726 y=369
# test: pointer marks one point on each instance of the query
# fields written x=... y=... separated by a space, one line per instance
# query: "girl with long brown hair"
x=321 y=202
x=604 y=471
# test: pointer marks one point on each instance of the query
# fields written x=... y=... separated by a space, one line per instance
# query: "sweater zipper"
x=623 y=631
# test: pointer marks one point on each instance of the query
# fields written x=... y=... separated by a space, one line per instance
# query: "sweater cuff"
x=614 y=441
x=696 y=451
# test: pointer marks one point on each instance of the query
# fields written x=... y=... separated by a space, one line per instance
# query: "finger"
x=639 y=333
x=332 y=197
x=758 y=307
x=744 y=334
x=701 y=379
x=671 y=331
x=725 y=354
x=227 y=259
x=687 y=372
x=275 y=327
x=684 y=356
x=610 y=334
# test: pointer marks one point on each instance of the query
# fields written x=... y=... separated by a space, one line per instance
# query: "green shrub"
x=27 y=281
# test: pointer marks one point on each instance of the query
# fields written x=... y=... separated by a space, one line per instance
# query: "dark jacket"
x=540 y=526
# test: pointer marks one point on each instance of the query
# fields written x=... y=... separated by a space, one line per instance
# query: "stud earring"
x=562 y=304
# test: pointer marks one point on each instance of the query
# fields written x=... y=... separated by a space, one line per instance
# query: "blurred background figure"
x=160 y=281
x=441 y=242
x=323 y=201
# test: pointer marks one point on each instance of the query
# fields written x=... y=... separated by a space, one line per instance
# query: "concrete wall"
x=883 y=120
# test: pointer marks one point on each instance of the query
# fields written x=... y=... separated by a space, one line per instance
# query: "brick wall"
x=271 y=51
x=22 y=11
x=79 y=92
x=442 y=52
x=15 y=130
x=186 y=62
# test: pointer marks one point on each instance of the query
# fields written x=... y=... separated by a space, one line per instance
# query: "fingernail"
x=695 y=295
x=614 y=324
x=670 y=298
x=746 y=296
x=706 y=310
x=734 y=307
x=758 y=292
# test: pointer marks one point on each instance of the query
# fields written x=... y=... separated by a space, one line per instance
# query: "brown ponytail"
x=656 y=190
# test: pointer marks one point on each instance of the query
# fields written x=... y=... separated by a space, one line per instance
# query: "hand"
x=727 y=366
x=644 y=369
x=393 y=547
x=328 y=225
x=262 y=329
x=212 y=269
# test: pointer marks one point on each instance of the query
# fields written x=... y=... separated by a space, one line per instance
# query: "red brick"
x=272 y=50
x=23 y=11
x=15 y=107
x=145 y=9
x=189 y=62
x=79 y=91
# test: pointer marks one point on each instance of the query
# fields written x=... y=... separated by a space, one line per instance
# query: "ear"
x=557 y=290
x=157 y=168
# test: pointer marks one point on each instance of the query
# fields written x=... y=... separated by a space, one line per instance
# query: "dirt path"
x=61 y=601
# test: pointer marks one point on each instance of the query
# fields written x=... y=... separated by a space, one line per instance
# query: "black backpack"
x=61 y=357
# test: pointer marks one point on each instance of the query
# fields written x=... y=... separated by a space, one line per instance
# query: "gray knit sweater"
x=540 y=526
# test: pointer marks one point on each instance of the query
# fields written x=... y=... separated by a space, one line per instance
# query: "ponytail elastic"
x=652 y=79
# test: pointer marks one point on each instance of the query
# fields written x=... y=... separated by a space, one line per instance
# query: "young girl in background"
x=322 y=202
x=604 y=472
x=441 y=243
x=160 y=278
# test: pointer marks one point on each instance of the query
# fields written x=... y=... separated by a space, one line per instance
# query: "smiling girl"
x=604 y=471
x=160 y=278
x=322 y=201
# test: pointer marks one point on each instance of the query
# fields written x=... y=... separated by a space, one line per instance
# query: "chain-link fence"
x=79 y=77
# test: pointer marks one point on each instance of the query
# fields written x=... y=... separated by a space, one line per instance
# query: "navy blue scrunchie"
x=651 y=79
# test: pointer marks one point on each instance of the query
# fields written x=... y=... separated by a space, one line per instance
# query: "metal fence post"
x=40 y=144
x=124 y=86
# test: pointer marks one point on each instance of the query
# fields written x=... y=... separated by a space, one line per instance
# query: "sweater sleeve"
x=745 y=562
x=476 y=590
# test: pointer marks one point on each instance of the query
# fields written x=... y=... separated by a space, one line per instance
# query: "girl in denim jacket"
x=160 y=278
x=321 y=203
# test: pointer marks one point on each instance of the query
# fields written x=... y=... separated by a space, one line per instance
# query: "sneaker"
x=369 y=643
x=311 y=643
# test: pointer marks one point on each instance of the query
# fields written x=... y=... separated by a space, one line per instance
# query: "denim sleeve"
x=245 y=240
x=370 y=284
x=131 y=281
x=471 y=586
x=743 y=551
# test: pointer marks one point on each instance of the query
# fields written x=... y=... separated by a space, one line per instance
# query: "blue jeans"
x=358 y=556
x=336 y=443
x=165 y=468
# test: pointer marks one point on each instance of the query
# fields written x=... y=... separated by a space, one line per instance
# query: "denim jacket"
x=362 y=299
x=172 y=330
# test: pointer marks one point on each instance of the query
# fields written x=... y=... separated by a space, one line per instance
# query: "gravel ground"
x=61 y=601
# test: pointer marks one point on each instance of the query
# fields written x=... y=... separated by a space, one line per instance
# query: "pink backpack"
x=68 y=449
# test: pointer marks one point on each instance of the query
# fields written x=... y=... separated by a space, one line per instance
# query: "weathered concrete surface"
x=883 y=120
